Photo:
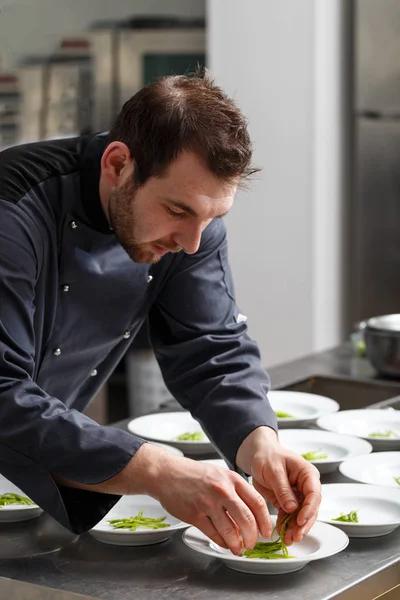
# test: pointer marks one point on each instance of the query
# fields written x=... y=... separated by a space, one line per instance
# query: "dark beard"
x=120 y=216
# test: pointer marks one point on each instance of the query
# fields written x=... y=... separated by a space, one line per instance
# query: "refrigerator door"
x=375 y=223
x=377 y=52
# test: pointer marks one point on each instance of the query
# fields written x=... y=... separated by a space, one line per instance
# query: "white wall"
x=283 y=246
x=35 y=26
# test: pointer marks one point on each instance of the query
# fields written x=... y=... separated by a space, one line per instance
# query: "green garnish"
x=283 y=415
x=132 y=523
x=275 y=549
x=314 y=455
x=383 y=434
x=351 y=517
x=10 y=498
x=397 y=480
x=193 y=437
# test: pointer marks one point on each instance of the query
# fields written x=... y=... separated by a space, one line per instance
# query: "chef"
x=97 y=235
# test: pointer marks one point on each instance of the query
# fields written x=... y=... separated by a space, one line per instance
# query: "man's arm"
x=208 y=361
x=213 y=369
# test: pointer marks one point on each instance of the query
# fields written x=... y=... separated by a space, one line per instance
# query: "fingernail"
x=266 y=533
x=290 y=506
x=306 y=517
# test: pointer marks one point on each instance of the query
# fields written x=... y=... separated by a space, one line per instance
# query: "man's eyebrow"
x=189 y=209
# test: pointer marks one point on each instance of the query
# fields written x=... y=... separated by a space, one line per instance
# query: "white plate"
x=322 y=541
x=166 y=427
x=171 y=449
x=338 y=447
x=379 y=468
x=16 y=512
x=304 y=408
x=129 y=506
x=363 y=422
x=378 y=508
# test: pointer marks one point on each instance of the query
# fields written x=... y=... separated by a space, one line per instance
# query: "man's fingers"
x=310 y=486
x=283 y=490
x=266 y=493
x=228 y=530
x=258 y=507
x=205 y=525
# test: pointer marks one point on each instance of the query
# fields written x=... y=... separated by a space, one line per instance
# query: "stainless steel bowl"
x=382 y=339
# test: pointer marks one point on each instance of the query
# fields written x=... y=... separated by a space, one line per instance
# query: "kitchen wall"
x=35 y=27
x=283 y=62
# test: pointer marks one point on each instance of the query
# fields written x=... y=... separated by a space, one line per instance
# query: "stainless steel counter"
x=18 y=590
x=170 y=569
x=42 y=553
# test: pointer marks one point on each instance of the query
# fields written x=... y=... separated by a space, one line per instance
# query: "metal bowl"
x=382 y=339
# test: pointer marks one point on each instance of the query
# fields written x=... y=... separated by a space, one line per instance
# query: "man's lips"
x=161 y=250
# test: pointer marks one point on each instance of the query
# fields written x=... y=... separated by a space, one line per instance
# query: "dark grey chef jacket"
x=71 y=302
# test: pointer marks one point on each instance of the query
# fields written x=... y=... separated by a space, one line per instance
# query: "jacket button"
x=57 y=352
x=127 y=335
x=65 y=288
x=150 y=278
x=73 y=225
x=93 y=373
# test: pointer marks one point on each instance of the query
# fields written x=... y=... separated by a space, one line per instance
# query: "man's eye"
x=174 y=214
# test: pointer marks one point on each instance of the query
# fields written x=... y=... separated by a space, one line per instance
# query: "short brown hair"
x=184 y=112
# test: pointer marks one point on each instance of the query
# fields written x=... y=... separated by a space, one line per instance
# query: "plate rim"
x=374 y=456
x=327 y=461
x=363 y=411
x=153 y=503
x=373 y=488
x=16 y=507
x=180 y=525
x=174 y=443
x=334 y=404
x=233 y=558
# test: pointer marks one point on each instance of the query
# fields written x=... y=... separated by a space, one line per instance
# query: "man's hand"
x=285 y=479
x=217 y=501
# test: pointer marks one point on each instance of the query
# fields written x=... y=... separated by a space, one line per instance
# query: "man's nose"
x=189 y=238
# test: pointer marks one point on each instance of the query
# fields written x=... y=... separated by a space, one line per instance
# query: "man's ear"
x=116 y=163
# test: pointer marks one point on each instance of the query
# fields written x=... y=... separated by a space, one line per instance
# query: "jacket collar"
x=91 y=149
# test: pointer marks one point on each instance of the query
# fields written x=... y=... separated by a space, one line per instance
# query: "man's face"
x=168 y=213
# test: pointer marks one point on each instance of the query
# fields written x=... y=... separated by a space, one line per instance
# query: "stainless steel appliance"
x=382 y=340
x=374 y=244
x=129 y=54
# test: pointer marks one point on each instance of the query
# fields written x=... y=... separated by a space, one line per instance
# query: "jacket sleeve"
x=39 y=435
x=209 y=363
